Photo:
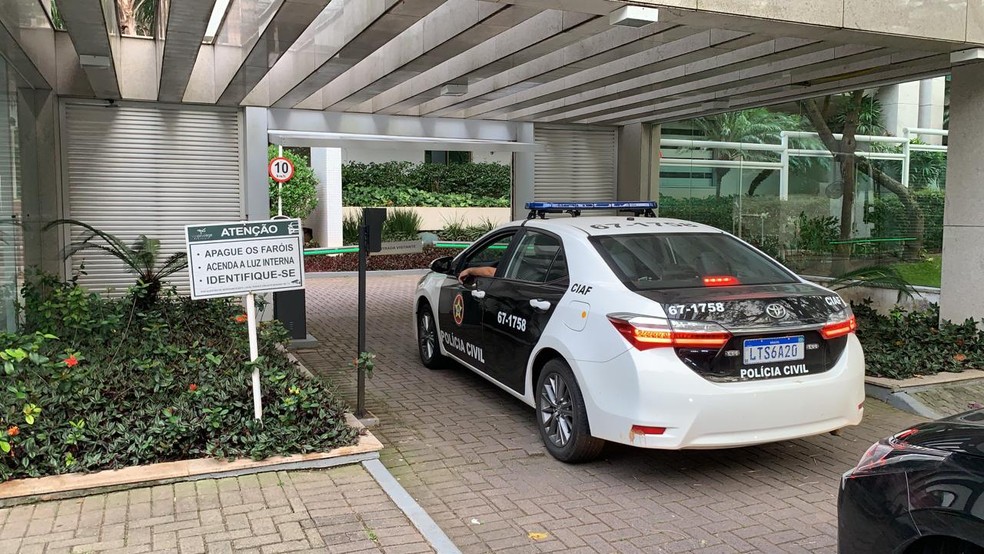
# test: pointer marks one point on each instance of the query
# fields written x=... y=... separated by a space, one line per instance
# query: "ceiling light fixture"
x=966 y=56
x=455 y=89
x=633 y=16
x=87 y=60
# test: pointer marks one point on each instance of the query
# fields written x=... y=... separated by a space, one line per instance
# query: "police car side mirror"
x=441 y=265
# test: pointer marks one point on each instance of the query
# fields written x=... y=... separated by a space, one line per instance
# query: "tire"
x=561 y=417
x=428 y=345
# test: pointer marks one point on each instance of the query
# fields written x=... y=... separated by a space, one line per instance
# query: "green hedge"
x=891 y=220
x=368 y=195
x=423 y=184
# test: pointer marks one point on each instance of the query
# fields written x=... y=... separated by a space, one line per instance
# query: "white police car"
x=651 y=332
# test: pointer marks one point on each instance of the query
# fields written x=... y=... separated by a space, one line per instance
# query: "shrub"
x=350 y=229
x=891 y=219
x=904 y=344
x=456 y=230
x=401 y=224
x=409 y=184
x=300 y=193
x=93 y=383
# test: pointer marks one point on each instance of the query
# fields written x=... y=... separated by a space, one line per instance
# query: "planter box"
x=434 y=219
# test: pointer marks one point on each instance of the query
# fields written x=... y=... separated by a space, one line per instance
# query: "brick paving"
x=948 y=400
x=471 y=456
x=339 y=510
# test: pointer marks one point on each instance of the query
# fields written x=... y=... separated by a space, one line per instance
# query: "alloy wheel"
x=556 y=411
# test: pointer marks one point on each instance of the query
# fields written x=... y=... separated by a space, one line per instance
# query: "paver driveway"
x=471 y=455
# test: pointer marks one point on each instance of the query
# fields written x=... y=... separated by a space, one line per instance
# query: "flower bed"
x=93 y=383
x=907 y=344
x=350 y=262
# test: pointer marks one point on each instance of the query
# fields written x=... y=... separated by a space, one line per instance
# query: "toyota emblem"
x=776 y=311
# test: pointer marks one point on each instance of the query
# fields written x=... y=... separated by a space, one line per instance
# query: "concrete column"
x=963 y=226
x=900 y=107
x=326 y=220
x=523 y=172
x=638 y=162
x=931 y=98
x=256 y=187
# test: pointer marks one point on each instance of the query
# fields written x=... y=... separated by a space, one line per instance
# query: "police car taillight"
x=840 y=327
x=645 y=332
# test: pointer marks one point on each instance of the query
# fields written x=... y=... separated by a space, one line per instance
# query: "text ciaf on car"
x=651 y=332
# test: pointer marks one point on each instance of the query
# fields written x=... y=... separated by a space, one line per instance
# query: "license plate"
x=766 y=351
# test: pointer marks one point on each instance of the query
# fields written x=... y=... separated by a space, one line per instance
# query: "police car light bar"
x=540 y=209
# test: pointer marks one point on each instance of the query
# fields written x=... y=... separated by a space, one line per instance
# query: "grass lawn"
x=924 y=273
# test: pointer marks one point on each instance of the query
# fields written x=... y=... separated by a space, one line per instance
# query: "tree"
x=848 y=116
x=136 y=17
x=755 y=126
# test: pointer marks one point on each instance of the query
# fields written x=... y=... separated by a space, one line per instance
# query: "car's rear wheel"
x=944 y=545
x=427 y=341
x=561 y=417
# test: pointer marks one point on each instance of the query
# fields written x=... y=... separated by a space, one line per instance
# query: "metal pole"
x=254 y=352
x=280 y=186
x=360 y=410
x=784 y=171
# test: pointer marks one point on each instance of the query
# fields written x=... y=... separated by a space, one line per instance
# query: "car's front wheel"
x=427 y=341
x=561 y=417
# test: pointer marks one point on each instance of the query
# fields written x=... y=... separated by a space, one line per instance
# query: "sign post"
x=246 y=257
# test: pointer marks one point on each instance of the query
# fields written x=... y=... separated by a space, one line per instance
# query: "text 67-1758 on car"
x=650 y=332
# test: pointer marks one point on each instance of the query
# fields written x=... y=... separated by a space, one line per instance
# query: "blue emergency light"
x=540 y=209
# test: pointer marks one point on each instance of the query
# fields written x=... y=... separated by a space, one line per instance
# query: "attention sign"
x=232 y=259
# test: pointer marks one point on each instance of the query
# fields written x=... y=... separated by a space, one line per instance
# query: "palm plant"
x=755 y=126
x=142 y=257
x=877 y=276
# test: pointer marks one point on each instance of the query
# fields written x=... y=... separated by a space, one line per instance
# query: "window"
x=489 y=254
x=678 y=260
x=539 y=258
x=447 y=157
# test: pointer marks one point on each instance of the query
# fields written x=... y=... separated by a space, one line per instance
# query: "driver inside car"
x=477 y=271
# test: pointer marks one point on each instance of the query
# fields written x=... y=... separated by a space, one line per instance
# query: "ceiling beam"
x=359 y=29
x=290 y=20
x=186 y=23
x=416 y=48
x=888 y=69
x=724 y=70
x=92 y=26
x=690 y=48
x=20 y=60
x=501 y=49
x=604 y=47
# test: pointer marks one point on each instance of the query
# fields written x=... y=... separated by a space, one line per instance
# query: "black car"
x=919 y=491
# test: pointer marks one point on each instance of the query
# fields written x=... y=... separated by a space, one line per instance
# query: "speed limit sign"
x=281 y=169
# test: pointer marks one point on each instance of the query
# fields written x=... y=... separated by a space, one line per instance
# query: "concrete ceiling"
x=557 y=61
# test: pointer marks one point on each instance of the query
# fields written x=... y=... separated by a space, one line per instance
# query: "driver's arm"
x=478 y=271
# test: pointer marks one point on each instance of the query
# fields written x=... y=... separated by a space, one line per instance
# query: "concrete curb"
x=414 y=512
x=900 y=399
x=73 y=485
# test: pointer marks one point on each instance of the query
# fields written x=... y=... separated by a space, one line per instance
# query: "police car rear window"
x=649 y=261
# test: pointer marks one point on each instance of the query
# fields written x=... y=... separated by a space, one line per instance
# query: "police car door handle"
x=541 y=305
x=480 y=294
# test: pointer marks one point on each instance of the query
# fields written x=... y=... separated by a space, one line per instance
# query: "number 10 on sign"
x=281 y=170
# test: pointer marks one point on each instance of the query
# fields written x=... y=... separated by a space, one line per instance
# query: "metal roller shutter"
x=576 y=164
x=148 y=169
